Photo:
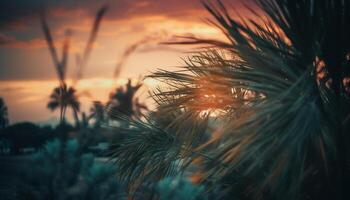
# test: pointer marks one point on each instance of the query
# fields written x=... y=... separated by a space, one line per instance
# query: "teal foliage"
x=59 y=171
x=179 y=188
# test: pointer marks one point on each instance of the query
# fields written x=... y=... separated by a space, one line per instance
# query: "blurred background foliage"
x=262 y=115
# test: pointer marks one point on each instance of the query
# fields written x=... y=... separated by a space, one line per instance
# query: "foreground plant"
x=279 y=88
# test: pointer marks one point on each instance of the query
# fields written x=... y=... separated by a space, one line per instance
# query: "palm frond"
x=50 y=42
x=144 y=146
x=202 y=85
x=150 y=152
x=91 y=41
x=291 y=118
x=282 y=126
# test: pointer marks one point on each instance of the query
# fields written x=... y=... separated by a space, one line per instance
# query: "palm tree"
x=4 y=121
x=287 y=136
x=123 y=101
x=63 y=97
x=97 y=113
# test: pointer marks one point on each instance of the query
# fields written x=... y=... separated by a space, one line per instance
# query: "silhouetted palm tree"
x=123 y=101
x=64 y=97
x=4 y=121
x=84 y=121
x=97 y=113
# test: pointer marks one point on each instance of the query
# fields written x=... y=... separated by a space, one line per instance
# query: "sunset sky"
x=27 y=74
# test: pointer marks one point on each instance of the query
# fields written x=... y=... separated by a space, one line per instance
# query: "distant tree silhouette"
x=26 y=135
x=63 y=97
x=4 y=121
x=97 y=113
x=123 y=101
x=63 y=130
x=84 y=121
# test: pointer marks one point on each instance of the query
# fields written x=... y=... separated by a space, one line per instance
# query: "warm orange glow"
x=30 y=74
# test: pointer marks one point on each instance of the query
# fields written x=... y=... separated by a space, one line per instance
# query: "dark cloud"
x=20 y=29
x=17 y=12
x=10 y=41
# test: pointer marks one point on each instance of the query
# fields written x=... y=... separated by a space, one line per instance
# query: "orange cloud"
x=19 y=44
